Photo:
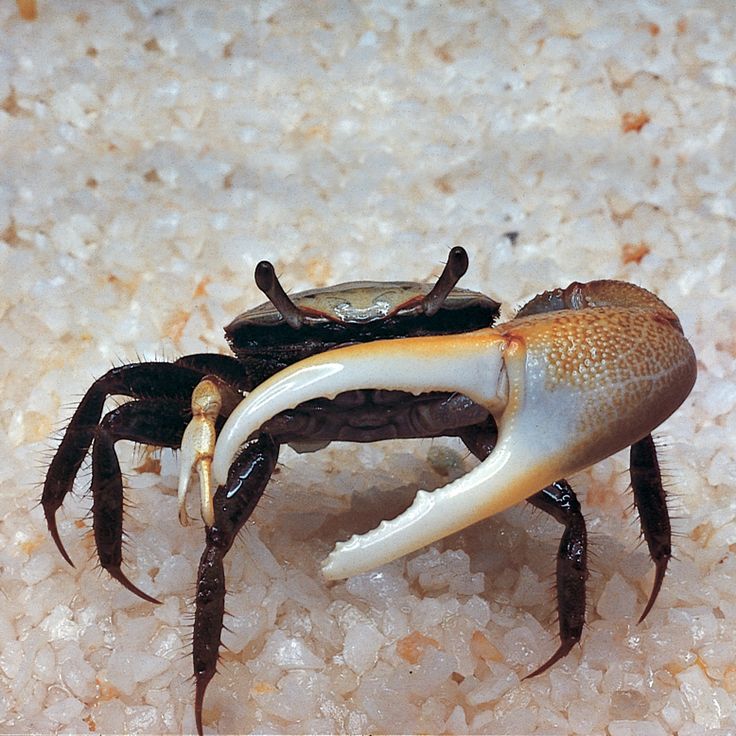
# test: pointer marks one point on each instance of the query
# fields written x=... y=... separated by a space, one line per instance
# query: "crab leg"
x=233 y=504
x=140 y=421
x=566 y=388
x=650 y=500
x=559 y=500
x=146 y=381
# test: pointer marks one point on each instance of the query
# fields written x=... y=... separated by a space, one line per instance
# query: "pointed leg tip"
x=54 y=532
x=660 y=571
x=648 y=607
x=202 y=680
x=60 y=546
x=562 y=651
x=118 y=574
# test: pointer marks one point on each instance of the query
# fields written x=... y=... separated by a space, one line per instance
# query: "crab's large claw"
x=566 y=388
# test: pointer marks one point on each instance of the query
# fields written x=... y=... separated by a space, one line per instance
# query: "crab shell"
x=567 y=388
x=356 y=302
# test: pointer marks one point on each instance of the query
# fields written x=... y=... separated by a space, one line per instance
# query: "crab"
x=579 y=374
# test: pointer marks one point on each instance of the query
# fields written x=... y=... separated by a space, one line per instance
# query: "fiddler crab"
x=577 y=375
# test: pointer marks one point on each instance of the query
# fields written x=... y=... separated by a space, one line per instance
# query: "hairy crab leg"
x=142 y=381
x=560 y=501
x=136 y=421
x=650 y=500
x=233 y=504
x=567 y=388
x=225 y=368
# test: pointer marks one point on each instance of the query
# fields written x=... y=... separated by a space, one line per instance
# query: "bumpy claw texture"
x=567 y=388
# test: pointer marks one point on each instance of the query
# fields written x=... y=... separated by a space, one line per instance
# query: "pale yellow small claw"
x=197 y=449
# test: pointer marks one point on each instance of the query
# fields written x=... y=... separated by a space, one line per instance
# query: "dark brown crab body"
x=191 y=401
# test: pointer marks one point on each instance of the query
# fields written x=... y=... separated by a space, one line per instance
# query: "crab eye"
x=269 y=284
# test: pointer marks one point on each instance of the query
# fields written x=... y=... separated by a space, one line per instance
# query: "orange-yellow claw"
x=609 y=374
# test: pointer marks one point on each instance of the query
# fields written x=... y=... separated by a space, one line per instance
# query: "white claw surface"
x=567 y=388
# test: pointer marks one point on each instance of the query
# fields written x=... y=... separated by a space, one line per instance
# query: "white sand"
x=152 y=152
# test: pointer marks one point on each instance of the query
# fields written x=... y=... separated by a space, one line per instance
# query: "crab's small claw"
x=198 y=446
x=566 y=388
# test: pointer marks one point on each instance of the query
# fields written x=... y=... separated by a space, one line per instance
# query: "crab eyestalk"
x=566 y=388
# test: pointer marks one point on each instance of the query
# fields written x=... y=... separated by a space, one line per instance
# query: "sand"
x=151 y=153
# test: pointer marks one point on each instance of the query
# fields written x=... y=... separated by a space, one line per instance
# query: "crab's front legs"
x=233 y=504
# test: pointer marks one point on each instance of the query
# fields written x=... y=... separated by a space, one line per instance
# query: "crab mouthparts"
x=566 y=389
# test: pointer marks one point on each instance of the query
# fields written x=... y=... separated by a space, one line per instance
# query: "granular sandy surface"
x=151 y=153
